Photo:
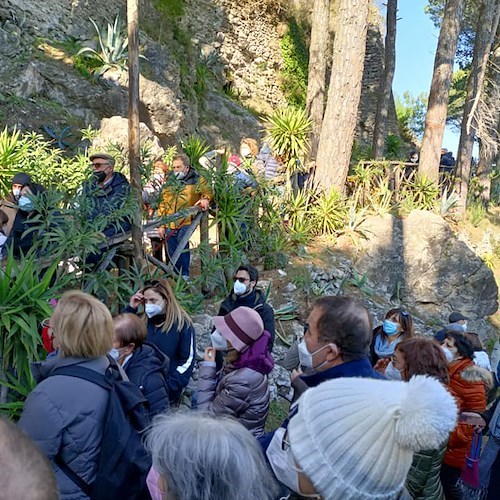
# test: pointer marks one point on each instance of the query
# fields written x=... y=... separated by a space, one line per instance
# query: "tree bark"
x=486 y=29
x=435 y=120
x=385 y=89
x=133 y=125
x=316 y=79
x=339 y=122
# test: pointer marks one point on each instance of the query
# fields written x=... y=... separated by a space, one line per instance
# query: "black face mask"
x=100 y=176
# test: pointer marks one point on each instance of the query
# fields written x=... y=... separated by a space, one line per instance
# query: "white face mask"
x=464 y=327
x=218 y=341
x=152 y=310
x=448 y=354
x=306 y=358
x=392 y=373
x=16 y=192
x=245 y=151
x=180 y=175
x=239 y=288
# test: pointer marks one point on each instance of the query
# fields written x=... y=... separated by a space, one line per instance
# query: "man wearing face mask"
x=9 y=205
x=184 y=188
x=106 y=194
x=457 y=322
x=246 y=293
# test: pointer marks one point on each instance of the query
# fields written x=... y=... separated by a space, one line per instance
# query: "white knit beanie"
x=354 y=438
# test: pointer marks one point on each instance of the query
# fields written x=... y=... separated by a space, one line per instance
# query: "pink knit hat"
x=241 y=327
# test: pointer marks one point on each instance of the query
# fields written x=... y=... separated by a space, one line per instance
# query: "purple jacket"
x=242 y=390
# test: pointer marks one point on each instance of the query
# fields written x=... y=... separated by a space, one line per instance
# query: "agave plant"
x=287 y=131
x=329 y=212
x=13 y=152
x=195 y=148
x=114 y=49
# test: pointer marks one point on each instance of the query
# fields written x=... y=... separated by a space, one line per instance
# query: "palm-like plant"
x=329 y=212
x=287 y=131
x=13 y=152
x=114 y=49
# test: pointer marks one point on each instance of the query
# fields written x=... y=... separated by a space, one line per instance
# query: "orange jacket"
x=468 y=385
x=180 y=194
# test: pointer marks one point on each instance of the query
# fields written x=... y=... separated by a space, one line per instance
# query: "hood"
x=151 y=358
x=257 y=356
x=474 y=373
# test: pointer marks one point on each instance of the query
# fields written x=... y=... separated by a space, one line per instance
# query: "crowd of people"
x=377 y=413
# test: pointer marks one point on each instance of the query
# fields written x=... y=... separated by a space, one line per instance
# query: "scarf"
x=382 y=347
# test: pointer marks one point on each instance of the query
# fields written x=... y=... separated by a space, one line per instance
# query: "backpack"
x=123 y=461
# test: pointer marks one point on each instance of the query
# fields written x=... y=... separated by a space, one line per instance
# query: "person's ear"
x=129 y=349
x=332 y=352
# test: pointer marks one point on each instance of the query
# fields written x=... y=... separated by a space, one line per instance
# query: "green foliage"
x=457 y=97
x=393 y=146
x=113 y=52
x=195 y=147
x=329 y=212
x=287 y=131
x=411 y=112
x=420 y=193
x=475 y=213
x=172 y=8
x=295 y=65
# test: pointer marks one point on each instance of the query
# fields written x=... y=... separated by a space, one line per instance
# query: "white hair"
x=206 y=458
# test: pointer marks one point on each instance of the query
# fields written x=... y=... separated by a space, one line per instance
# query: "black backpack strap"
x=85 y=374
x=95 y=378
x=71 y=474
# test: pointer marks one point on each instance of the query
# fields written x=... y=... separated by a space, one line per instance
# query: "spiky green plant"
x=195 y=147
x=329 y=212
x=113 y=52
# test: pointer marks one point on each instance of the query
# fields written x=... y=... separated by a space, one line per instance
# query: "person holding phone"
x=241 y=389
x=170 y=328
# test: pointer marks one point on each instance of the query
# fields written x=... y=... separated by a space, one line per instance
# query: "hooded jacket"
x=179 y=194
x=179 y=346
x=468 y=384
x=256 y=300
x=148 y=369
x=106 y=200
x=242 y=390
x=65 y=415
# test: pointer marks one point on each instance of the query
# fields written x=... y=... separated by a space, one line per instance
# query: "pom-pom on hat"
x=355 y=437
x=241 y=327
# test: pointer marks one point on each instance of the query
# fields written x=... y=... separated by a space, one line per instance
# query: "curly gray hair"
x=205 y=458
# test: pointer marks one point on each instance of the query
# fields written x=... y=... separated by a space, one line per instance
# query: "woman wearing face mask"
x=25 y=219
x=145 y=365
x=469 y=384
x=422 y=356
x=169 y=328
x=397 y=326
x=241 y=388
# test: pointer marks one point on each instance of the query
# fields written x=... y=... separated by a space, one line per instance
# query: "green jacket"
x=423 y=481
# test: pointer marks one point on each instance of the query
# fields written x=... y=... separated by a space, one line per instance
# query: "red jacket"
x=468 y=384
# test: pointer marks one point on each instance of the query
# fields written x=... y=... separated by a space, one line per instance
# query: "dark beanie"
x=22 y=179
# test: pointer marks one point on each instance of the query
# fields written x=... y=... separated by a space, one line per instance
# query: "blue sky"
x=416 y=42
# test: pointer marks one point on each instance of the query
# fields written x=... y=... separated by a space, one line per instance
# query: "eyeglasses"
x=241 y=279
x=98 y=165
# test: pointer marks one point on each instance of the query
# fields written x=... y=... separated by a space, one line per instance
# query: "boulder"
x=420 y=261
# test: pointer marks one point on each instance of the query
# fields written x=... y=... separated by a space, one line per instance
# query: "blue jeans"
x=173 y=239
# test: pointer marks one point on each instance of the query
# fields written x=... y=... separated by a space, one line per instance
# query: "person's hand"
x=381 y=365
x=161 y=232
x=473 y=418
x=137 y=299
x=295 y=374
x=209 y=354
x=203 y=204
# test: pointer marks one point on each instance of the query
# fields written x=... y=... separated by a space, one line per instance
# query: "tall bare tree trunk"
x=385 y=88
x=133 y=124
x=435 y=120
x=316 y=80
x=339 y=122
x=485 y=33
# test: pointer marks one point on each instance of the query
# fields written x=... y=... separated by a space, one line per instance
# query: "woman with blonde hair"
x=65 y=415
x=169 y=328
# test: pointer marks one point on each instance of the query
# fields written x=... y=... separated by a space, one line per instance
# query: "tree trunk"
x=339 y=123
x=485 y=32
x=435 y=120
x=385 y=89
x=133 y=125
x=316 y=80
x=483 y=173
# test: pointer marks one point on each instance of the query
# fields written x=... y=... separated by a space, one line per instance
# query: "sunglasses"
x=98 y=165
x=241 y=279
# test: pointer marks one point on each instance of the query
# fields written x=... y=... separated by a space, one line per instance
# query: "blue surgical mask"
x=390 y=328
x=115 y=353
x=25 y=203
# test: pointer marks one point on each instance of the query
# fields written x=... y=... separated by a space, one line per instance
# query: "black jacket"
x=148 y=369
x=104 y=202
x=257 y=301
